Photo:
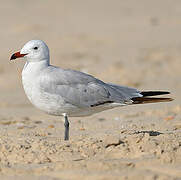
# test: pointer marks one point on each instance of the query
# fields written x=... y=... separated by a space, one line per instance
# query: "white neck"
x=34 y=67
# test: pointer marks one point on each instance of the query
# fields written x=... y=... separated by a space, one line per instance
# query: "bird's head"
x=33 y=51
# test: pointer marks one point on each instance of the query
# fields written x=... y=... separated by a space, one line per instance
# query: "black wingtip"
x=153 y=93
x=145 y=100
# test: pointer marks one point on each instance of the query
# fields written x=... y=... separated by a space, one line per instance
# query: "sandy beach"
x=131 y=43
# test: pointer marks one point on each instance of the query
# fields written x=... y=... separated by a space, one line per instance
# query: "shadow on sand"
x=151 y=133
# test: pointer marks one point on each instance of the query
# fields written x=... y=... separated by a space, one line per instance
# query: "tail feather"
x=144 y=100
x=153 y=93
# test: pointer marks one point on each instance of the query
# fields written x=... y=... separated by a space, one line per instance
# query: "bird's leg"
x=66 y=124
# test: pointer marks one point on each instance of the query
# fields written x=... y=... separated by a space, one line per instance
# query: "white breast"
x=27 y=80
x=50 y=103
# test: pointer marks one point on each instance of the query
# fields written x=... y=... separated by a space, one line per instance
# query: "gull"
x=71 y=93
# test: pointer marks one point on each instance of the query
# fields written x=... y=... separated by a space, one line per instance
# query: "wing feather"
x=83 y=90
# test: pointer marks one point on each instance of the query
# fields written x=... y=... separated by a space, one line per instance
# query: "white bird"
x=64 y=92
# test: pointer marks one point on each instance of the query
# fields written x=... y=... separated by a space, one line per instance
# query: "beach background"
x=133 y=43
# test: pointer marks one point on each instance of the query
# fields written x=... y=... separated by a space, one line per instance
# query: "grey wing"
x=84 y=95
x=83 y=90
x=128 y=91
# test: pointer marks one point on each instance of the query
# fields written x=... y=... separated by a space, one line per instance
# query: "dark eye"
x=35 y=48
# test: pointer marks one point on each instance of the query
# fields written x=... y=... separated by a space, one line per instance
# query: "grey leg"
x=66 y=124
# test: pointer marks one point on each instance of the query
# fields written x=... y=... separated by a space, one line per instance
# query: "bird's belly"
x=92 y=110
x=50 y=103
x=55 y=105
